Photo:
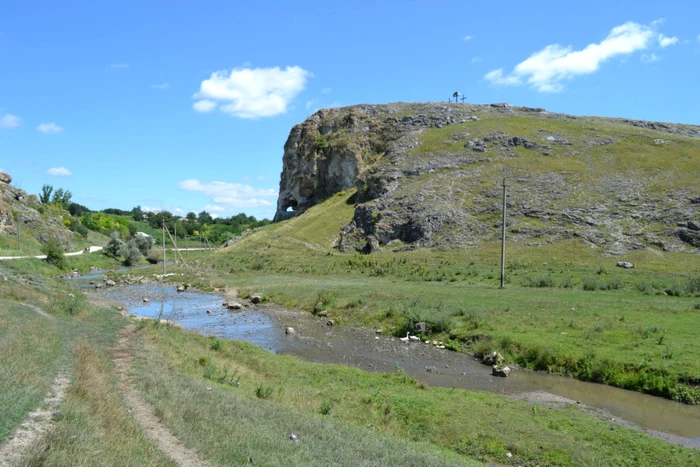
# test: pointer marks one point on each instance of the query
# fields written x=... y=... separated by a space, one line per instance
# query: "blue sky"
x=186 y=106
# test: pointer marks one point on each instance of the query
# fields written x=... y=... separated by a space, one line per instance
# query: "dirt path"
x=142 y=411
x=38 y=310
x=91 y=249
x=35 y=424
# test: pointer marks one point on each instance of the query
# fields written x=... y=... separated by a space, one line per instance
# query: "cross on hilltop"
x=456 y=95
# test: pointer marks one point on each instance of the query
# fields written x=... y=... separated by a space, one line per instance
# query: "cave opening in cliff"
x=291 y=205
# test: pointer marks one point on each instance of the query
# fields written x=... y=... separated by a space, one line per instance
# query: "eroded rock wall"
x=429 y=175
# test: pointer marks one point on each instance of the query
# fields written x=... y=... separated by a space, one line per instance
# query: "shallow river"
x=362 y=348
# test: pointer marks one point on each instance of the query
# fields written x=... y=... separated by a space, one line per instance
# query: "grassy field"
x=230 y=402
x=348 y=411
x=32 y=351
x=566 y=308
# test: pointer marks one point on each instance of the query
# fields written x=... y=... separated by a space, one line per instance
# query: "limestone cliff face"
x=325 y=155
x=429 y=175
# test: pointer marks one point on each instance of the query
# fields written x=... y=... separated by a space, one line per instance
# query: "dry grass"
x=93 y=427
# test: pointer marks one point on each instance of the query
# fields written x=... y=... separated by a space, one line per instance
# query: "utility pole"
x=163 y=246
x=503 y=237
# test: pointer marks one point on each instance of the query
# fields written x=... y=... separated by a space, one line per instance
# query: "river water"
x=315 y=341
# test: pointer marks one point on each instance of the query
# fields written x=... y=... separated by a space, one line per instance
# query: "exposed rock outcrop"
x=429 y=175
x=20 y=210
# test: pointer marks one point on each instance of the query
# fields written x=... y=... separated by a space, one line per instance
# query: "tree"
x=205 y=218
x=45 y=196
x=62 y=197
x=131 y=253
x=455 y=95
x=137 y=214
x=114 y=246
x=77 y=210
x=143 y=243
x=54 y=253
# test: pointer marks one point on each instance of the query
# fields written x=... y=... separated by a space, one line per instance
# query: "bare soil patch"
x=37 y=422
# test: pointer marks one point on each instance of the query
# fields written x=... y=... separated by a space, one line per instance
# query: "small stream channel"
x=362 y=348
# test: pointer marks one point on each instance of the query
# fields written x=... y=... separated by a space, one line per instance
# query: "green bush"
x=263 y=391
x=54 y=253
x=589 y=284
x=131 y=253
x=82 y=230
x=143 y=243
x=540 y=281
x=646 y=288
x=320 y=142
x=114 y=246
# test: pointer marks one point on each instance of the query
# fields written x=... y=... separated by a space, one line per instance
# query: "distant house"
x=142 y=234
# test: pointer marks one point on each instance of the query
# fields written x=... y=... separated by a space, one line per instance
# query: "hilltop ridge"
x=430 y=174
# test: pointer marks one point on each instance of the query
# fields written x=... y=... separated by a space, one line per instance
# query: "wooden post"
x=164 y=258
x=503 y=238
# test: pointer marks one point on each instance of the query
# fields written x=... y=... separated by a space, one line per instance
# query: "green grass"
x=548 y=313
x=32 y=352
x=176 y=367
x=93 y=427
x=656 y=169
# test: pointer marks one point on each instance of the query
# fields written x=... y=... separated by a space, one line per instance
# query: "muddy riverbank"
x=315 y=340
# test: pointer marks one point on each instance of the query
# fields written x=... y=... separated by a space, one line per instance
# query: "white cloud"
x=119 y=66
x=326 y=91
x=468 y=38
x=310 y=104
x=547 y=69
x=49 y=128
x=232 y=195
x=658 y=22
x=204 y=106
x=477 y=59
x=150 y=209
x=650 y=58
x=59 y=172
x=252 y=92
x=666 y=41
x=496 y=77
x=10 y=121
x=160 y=86
x=698 y=38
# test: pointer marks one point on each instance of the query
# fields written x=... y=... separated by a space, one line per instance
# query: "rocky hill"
x=430 y=175
x=37 y=223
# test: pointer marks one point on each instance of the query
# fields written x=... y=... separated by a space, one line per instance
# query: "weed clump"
x=324 y=299
x=326 y=407
x=263 y=391
x=539 y=281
